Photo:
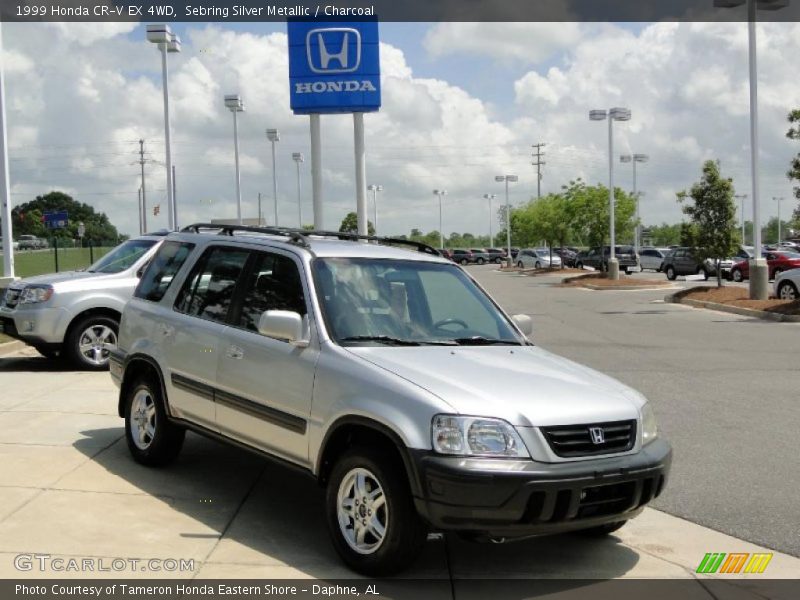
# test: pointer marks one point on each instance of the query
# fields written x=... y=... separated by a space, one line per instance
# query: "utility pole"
x=144 y=196
x=742 y=197
x=539 y=163
x=260 y=222
x=779 y=200
x=174 y=200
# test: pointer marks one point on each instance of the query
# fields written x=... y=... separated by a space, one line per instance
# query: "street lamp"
x=778 y=200
x=167 y=42
x=375 y=189
x=273 y=135
x=490 y=197
x=759 y=272
x=742 y=197
x=507 y=179
x=234 y=103
x=614 y=114
x=633 y=159
x=440 y=193
x=297 y=157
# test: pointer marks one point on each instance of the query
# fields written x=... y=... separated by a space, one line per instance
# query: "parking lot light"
x=297 y=157
x=507 y=179
x=234 y=103
x=440 y=193
x=273 y=135
x=490 y=197
x=633 y=159
x=613 y=114
x=375 y=189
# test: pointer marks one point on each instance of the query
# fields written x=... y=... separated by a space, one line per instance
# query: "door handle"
x=234 y=352
x=166 y=330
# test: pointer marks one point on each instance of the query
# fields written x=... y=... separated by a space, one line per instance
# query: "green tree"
x=589 y=213
x=27 y=218
x=350 y=224
x=545 y=219
x=794 y=171
x=665 y=234
x=713 y=216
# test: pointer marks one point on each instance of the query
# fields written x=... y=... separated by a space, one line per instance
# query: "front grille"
x=12 y=297
x=576 y=440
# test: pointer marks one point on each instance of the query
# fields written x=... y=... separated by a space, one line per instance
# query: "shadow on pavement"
x=36 y=364
x=274 y=515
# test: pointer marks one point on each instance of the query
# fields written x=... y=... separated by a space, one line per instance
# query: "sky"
x=462 y=102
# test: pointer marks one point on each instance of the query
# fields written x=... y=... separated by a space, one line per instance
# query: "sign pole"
x=316 y=170
x=361 y=173
x=8 y=241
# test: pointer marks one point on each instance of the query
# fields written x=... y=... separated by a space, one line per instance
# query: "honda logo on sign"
x=598 y=435
x=333 y=50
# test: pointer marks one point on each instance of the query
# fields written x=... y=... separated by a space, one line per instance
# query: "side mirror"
x=524 y=322
x=283 y=325
x=140 y=271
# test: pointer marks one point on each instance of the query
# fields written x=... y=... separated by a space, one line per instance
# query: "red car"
x=777 y=262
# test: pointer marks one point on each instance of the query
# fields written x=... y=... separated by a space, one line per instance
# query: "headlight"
x=476 y=436
x=649 y=427
x=35 y=293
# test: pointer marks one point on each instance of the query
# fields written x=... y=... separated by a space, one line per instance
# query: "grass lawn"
x=39 y=262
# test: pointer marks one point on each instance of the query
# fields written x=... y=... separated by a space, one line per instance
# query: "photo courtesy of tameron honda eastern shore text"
x=385 y=372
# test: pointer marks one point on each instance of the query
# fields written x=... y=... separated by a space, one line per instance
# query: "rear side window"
x=208 y=291
x=162 y=269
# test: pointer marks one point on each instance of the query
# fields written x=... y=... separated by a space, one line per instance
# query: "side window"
x=273 y=284
x=159 y=274
x=208 y=291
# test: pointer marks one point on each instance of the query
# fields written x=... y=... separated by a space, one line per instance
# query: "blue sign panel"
x=56 y=220
x=334 y=67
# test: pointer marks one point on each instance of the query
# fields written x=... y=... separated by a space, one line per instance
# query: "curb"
x=11 y=347
x=736 y=310
x=622 y=288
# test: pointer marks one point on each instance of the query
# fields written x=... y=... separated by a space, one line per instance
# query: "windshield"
x=405 y=302
x=122 y=257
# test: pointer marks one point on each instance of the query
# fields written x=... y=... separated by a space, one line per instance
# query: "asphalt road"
x=724 y=389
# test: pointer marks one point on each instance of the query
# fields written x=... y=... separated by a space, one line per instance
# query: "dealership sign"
x=334 y=67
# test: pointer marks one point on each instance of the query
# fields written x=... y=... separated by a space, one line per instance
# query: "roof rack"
x=300 y=236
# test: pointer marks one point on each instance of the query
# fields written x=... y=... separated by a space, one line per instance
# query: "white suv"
x=390 y=376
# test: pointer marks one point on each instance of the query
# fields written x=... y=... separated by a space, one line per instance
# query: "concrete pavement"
x=68 y=489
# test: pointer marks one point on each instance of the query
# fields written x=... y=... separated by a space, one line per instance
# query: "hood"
x=525 y=385
x=56 y=278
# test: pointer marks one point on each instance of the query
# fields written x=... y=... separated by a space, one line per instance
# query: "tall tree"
x=28 y=219
x=589 y=210
x=794 y=170
x=350 y=224
x=713 y=216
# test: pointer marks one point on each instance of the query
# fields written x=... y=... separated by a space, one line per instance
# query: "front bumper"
x=518 y=498
x=41 y=326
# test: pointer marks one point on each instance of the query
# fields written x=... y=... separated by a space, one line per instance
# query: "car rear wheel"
x=737 y=276
x=602 y=530
x=464 y=261
x=480 y=261
x=537 y=265
x=91 y=340
x=519 y=264
x=152 y=439
x=702 y=271
x=671 y=275
x=579 y=265
x=370 y=512
x=787 y=291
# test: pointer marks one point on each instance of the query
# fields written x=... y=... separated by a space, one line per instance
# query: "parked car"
x=31 y=242
x=356 y=363
x=652 y=258
x=787 y=285
x=683 y=261
x=446 y=253
x=482 y=255
x=777 y=263
x=598 y=258
x=497 y=255
x=76 y=313
x=463 y=257
x=567 y=256
x=536 y=258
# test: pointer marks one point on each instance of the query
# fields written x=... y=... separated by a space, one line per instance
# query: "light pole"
x=167 y=42
x=614 y=114
x=440 y=193
x=234 y=103
x=633 y=159
x=759 y=272
x=5 y=185
x=273 y=135
x=375 y=189
x=507 y=179
x=490 y=197
x=742 y=197
x=297 y=157
x=778 y=200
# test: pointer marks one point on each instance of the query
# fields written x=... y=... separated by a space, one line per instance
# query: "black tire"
x=480 y=261
x=602 y=530
x=404 y=534
x=464 y=261
x=579 y=265
x=78 y=336
x=520 y=265
x=671 y=275
x=787 y=291
x=736 y=275
x=537 y=265
x=165 y=442
x=627 y=271
x=702 y=271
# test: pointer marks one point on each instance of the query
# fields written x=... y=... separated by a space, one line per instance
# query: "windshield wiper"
x=479 y=340
x=384 y=339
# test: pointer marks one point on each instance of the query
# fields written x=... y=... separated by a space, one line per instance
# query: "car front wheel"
x=480 y=261
x=787 y=291
x=371 y=516
x=91 y=340
x=737 y=276
x=671 y=275
x=152 y=439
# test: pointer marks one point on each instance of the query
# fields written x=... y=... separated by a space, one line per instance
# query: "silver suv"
x=365 y=364
x=76 y=313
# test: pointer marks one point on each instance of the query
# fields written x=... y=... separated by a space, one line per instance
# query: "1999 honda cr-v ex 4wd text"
x=391 y=377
